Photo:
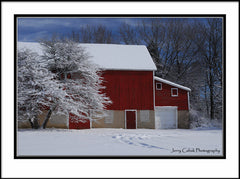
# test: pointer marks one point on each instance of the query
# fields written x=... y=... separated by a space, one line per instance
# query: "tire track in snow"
x=136 y=140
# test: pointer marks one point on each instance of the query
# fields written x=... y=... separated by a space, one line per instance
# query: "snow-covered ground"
x=119 y=142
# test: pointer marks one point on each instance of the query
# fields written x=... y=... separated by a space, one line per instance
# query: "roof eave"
x=172 y=83
x=126 y=69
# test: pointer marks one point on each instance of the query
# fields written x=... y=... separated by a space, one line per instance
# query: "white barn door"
x=166 y=117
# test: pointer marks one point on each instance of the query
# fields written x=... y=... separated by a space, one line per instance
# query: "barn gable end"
x=172 y=95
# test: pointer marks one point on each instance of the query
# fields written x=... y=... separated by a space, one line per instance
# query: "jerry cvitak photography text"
x=195 y=150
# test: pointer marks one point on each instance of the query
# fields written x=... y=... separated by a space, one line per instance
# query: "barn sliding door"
x=131 y=119
x=166 y=117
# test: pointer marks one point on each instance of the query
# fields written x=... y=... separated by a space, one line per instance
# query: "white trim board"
x=154 y=100
x=157 y=87
x=188 y=100
x=174 y=95
x=171 y=83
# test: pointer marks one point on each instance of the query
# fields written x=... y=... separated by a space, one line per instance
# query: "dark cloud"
x=32 y=29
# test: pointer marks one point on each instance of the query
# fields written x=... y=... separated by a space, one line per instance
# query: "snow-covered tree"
x=35 y=87
x=62 y=80
x=80 y=77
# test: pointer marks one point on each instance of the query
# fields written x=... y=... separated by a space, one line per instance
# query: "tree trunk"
x=212 y=106
x=34 y=123
x=48 y=117
x=30 y=123
x=206 y=100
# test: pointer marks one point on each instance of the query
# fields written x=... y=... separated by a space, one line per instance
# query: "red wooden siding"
x=78 y=124
x=129 y=89
x=163 y=97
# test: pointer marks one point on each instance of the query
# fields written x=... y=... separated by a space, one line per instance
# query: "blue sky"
x=32 y=29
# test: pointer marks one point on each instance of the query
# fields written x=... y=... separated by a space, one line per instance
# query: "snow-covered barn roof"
x=171 y=83
x=110 y=56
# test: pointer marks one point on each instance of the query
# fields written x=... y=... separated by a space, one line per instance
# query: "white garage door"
x=166 y=117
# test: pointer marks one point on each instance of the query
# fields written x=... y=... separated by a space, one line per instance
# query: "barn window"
x=69 y=76
x=65 y=76
x=174 y=91
x=159 y=86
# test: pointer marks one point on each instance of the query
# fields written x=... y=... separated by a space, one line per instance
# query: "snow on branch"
x=63 y=80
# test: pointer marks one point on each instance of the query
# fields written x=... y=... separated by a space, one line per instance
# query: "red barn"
x=139 y=100
x=128 y=77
